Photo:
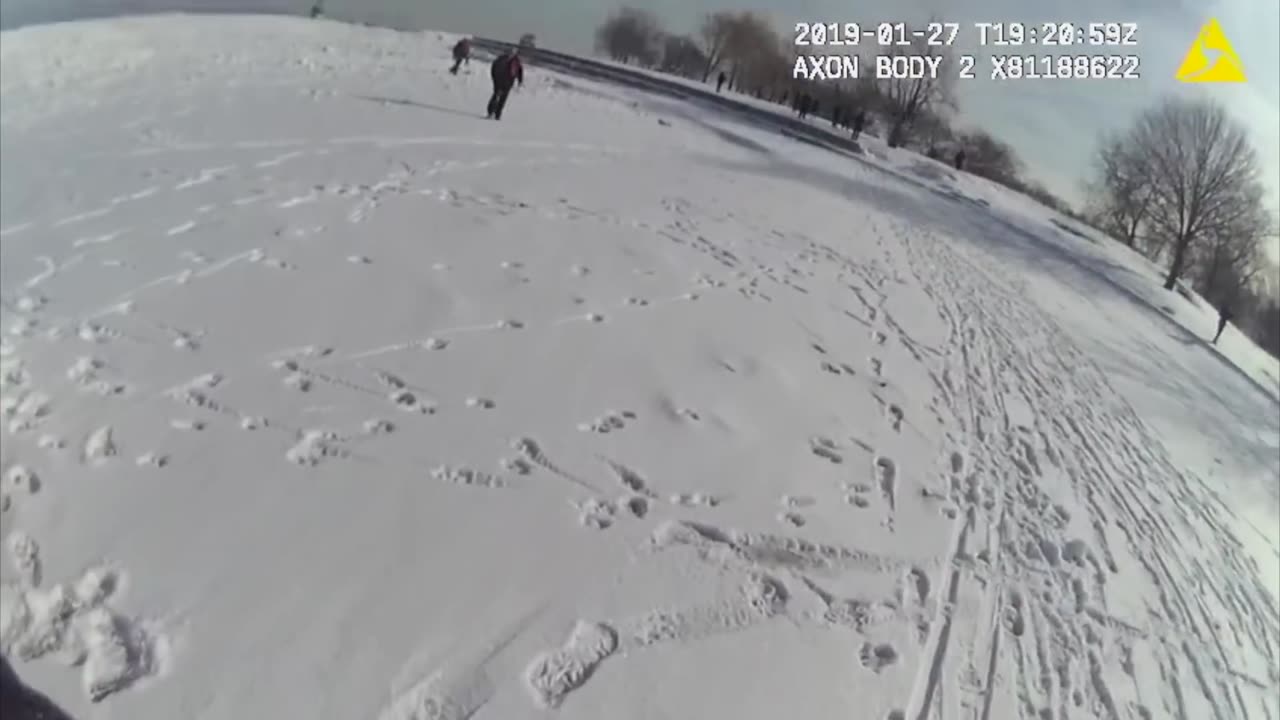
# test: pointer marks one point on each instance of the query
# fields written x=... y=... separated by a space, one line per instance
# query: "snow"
x=345 y=402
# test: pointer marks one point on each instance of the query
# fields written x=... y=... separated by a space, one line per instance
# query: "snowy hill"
x=325 y=397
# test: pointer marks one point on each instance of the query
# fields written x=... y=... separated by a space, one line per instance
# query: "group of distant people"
x=506 y=72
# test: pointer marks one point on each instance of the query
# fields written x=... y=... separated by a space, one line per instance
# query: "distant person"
x=720 y=81
x=814 y=108
x=506 y=71
x=960 y=160
x=859 y=122
x=461 y=54
x=932 y=152
x=1224 y=317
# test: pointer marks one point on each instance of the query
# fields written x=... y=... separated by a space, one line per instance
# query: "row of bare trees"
x=743 y=44
x=757 y=60
x=1183 y=186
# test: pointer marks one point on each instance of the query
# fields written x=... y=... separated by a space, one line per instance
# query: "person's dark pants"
x=457 y=62
x=1222 y=325
x=498 y=100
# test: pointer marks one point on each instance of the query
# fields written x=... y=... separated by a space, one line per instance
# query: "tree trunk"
x=895 y=133
x=1131 y=237
x=1179 y=259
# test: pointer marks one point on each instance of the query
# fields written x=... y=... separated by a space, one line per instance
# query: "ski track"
x=1050 y=487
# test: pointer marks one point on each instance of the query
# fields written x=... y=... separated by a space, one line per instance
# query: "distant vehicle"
x=528 y=40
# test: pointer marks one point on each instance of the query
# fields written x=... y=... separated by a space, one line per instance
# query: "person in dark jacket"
x=720 y=81
x=506 y=71
x=461 y=54
x=1224 y=317
x=960 y=159
x=859 y=122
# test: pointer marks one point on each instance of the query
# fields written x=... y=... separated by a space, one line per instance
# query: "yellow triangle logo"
x=1210 y=59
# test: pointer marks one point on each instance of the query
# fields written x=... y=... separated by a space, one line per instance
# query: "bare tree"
x=1226 y=262
x=907 y=98
x=755 y=51
x=1202 y=172
x=987 y=157
x=715 y=33
x=931 y=130
x=1265 y=325
x=681 y=55
x=1120 y=193
x=630 y=34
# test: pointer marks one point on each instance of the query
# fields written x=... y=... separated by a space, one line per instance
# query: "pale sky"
x=1053 y=124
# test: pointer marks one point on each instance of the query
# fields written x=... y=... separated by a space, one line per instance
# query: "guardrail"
x=594 y=69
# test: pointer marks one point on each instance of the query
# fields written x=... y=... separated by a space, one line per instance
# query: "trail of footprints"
x=554 y=674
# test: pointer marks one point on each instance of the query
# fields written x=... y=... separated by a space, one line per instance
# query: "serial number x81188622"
x=1061 y=67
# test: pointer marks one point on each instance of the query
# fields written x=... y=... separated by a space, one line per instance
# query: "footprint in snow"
x=152 y=459
x=886 y=472
x=896 y=416
x=553 y=674
x=825 y=448
x=99 y=445
x=877 y=657
x=795 y=520
x=22 y=478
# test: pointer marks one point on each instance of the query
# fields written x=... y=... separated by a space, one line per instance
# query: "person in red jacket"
x=461 y=53
x=506 y=71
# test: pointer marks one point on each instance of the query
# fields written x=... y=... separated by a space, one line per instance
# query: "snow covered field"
x=325 y=397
